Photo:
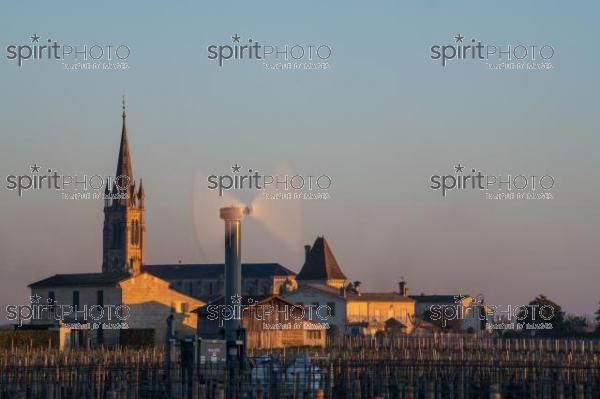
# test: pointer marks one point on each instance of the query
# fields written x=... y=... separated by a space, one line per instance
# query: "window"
x=183 y=307
x=141 y=238
x=190 y=288
x=314 y=334
x=75 y=298
x=100 y=297
x=331 y=306
x=137 y=232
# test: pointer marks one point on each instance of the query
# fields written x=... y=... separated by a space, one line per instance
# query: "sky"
x=381 y=120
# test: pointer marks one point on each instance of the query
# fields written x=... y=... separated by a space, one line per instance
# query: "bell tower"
x=123 y=238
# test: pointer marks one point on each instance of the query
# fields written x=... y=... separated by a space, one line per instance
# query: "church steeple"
x=124 y=222
x=124 y=167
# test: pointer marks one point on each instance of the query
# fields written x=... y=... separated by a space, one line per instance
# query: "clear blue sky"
x=380 y=122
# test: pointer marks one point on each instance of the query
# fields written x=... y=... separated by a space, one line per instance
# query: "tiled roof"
x=245 y=300
x=165 y=272
x=363 y=296
x=214 y=270
x=81 y=279
x=437 y=298
x=379 y=296
x=320 y=263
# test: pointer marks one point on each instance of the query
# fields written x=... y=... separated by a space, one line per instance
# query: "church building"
x=159 y=297
x=147 y=302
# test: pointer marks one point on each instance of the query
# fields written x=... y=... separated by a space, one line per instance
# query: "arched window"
x=132 y=233
x=140 y=235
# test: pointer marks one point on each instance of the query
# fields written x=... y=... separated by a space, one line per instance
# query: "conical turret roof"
x=320 y=263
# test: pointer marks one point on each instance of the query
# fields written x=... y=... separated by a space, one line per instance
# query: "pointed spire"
x=132 y=193
x=107 y=194
x=124 y=163
x=141 y=193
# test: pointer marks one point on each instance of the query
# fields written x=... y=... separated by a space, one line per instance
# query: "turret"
x=132 y=194
x=141 y=195
x=106 y=194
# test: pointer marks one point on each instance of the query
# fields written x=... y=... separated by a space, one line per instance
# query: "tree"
x=542 y=311
x=575 y=325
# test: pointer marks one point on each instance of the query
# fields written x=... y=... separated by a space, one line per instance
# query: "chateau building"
x=321 y=282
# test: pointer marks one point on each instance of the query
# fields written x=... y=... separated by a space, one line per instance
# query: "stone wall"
x=88 y=297
x=152 y=301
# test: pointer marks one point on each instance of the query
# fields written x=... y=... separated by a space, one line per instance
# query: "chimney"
x=342 y=291
x=306 y=251
x=403 y=289
x=233 y=266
